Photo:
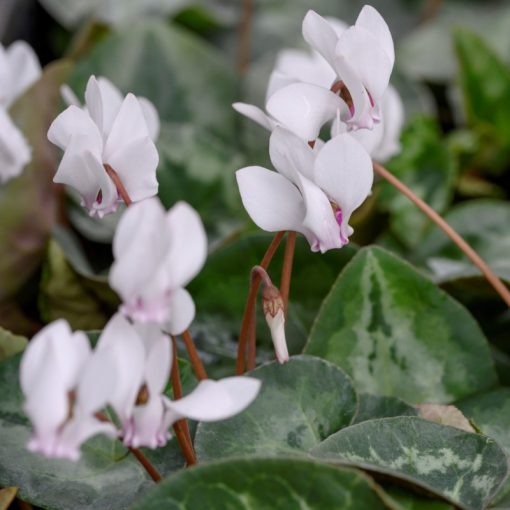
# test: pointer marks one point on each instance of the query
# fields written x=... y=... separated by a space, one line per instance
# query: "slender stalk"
x=140 y=457
x=196 y=362
x=288 y=259
x=181 y=427
x=144 y=461
x=114 y=176
x=243 y=55
x=496 y=283
x=251 y=301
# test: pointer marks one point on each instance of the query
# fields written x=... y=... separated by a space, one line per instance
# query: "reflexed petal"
x=147 y=421
x=136 y=165
x=304 y=108
x=129 y=125
x=290 y=154
x=256 y=114
x=111 y=101
x=370 y=62
x=158 y=365
x=69 y=97
x=393 y=120
x=277 y=81
x=343 y=169
x=74 y=121
x=188 y=244
x=270 y=199
x=151 y=117
x=320 y=35
x=182 y=312
x=15 y=153
x=370 y=138
x=217 y=400
x=24 y=66
x=372 y=21
x=81 y=170
x=126 y=347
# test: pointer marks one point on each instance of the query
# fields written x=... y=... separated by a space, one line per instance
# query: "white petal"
x=372 y=21
x=182 y=312
x=370 y=138
x=256 y=114
x=158 y=365
x=111 y=101
x=126 y=347
x=290 y=154
x=129 y=125
x=304 y=108
x=74 y=121
x=343 y=169
x=370 y=62
x=270 y=199
x=277 y=80
x=15 y=153
x=188 y=244
x=277 y=326
x=147 y=421
x=24 y=66
x=82 y=170
x=151 y=117
x=69 y=97
x=393 y=121
x=136 y=165
x=320 y=35
x=217 y=400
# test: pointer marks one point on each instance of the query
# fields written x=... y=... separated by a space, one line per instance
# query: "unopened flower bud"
x=272 y=305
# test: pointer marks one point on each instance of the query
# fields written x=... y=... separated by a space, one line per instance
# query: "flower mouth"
x=341 y=89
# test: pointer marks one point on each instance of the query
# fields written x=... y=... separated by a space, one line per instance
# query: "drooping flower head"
x=312 y=192
x=156 y=254
x=64 y=385
x=106 y=133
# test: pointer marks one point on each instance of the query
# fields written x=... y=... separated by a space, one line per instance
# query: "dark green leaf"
x=257 y=484
x=374 y=406
x=464 y=468
x=396 y=334
x=301 y=403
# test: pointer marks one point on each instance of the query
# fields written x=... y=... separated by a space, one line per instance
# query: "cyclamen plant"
x=332 y=116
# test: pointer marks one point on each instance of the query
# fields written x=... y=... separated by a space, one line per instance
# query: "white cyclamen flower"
x=14 y=150
x=157 y=253
x=313 y=192
x=144 y=360
x=274 y=313
x=19 y=69
x=362 y=58
x=382 y=142
x=64 y=386
x=105 y=134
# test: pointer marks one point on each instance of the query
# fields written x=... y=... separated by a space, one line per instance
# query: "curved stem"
x=114 y=176
x=181 y=427
x=288 y=259
x=243 y=56
x=249 y=309
x=491 y=277
x=196 y=362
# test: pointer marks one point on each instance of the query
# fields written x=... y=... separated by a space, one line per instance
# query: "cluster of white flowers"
x=19 y=69
x=343 y=80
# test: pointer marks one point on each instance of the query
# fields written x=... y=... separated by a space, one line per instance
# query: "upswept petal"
x=370 y=19
x=69 y=97
x=25 y=68
x=290 y=154
x=370 y=138
x=270 y=199
x=136 y=165
x=320 y=35
x=71 y=122
x=157 y=365
x=217 y=400
x=304 y=108
x=151 y=117
x=256 y=114
x=83 y=171
x=343 y=169
x=188 y=244
x=277 y=80
x=126 y=347
x=182 y=311
x=14 y=150
x=393 y=120
x=129 y=125
x=371 y=63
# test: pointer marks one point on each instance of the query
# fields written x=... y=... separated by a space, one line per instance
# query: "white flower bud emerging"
x=272 y=305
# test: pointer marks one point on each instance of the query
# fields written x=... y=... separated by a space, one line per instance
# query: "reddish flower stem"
x=248 y=322
x=496 y=283
x=181 y=427
x=243 y=55
x=288 y=259
x=114 y=176
x=196 y=362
